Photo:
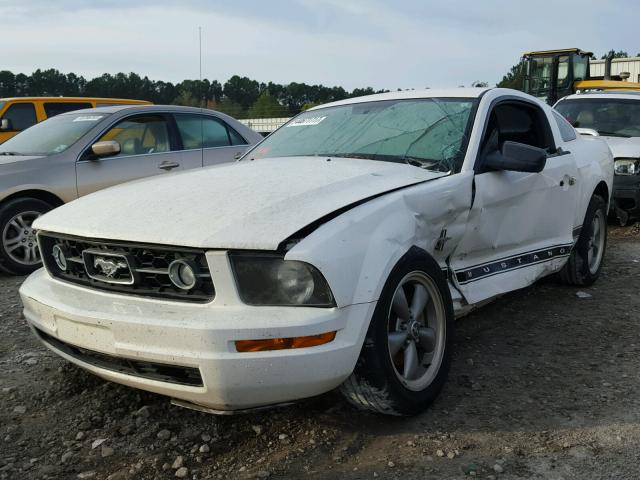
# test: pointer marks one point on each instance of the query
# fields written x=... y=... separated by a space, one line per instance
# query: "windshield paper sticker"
x=304 y=122
x=88 y=118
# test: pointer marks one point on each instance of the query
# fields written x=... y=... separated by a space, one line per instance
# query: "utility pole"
x=200 y=59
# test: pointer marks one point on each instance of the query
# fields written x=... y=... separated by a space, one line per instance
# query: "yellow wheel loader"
x=553 y=74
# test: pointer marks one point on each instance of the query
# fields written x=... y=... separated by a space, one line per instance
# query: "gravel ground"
x=544 y=385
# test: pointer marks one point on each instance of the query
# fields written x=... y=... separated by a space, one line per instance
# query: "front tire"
x=406 y=354
x=19 y=254
x=585 y=262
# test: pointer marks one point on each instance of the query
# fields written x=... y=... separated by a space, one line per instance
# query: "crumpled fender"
x=357 y=250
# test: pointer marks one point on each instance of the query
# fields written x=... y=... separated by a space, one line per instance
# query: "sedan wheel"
x=19 y=253
x=19 y=239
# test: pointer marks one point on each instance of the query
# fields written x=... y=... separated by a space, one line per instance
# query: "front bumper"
x=626 y=194
x=148 y=333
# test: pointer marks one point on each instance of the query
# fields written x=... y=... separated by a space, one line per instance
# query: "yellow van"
x=19 y=113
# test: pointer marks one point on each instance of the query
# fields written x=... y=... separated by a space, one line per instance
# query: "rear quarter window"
x=56 y=108
x=567 y=132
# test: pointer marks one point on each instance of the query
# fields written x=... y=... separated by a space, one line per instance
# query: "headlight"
x=269 y=279
x=626 y=166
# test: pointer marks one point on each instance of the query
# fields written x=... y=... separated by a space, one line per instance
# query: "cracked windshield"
x=427 y=133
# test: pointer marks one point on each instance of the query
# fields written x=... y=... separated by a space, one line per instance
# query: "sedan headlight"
x=626 y=166
x=269 y=279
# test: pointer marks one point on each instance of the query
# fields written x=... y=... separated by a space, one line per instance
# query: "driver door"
x=521 y=225
x=147 y=147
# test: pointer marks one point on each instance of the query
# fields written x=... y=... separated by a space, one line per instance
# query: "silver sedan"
x=77 y=153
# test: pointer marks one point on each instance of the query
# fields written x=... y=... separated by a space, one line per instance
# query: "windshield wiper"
x=363 y=156
x=10 y=153
x=613 y=134
x=419 y=162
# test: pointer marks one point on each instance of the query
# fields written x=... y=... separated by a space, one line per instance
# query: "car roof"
x=408 y=94
x=609 y=94
x=75 y=99
x=142 y=108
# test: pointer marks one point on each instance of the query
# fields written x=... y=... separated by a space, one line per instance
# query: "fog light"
x=182 y=274
x=60 y=257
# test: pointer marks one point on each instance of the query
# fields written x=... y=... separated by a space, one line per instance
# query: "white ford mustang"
x=336 y=253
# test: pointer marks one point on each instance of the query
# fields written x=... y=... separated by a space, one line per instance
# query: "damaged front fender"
x=357 y=250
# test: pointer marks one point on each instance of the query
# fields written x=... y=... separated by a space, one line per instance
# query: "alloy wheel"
x=19 y=239
x=597 y=239
x=416 y=331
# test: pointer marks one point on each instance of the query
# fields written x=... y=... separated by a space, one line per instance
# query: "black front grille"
x=138 y=368
x=149 y=265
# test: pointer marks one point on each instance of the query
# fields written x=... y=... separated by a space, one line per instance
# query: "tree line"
x=240 y=97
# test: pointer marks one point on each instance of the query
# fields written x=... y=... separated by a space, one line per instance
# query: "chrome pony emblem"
x=109 y=266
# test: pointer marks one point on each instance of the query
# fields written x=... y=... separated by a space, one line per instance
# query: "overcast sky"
x=353 y=43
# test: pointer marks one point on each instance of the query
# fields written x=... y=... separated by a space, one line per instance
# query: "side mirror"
x=517 y=157
x=106 y=148
x=5 y=125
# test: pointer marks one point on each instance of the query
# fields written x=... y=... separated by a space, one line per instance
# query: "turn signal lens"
x=284 y=343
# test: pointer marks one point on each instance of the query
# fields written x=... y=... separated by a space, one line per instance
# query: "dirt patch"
x=544 y=384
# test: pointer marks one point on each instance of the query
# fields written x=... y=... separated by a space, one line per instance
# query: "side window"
x=190 y=128
x=21 y=116
x=203 y=131
x=215 y=133
x=563 y=72
x=567 y=132
x=236 y=139
x=53 y=109
x=141 y=135
x=518 y=122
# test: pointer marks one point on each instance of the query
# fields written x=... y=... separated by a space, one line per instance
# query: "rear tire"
x=585 y=262
x=19 y=254
x=406 y=354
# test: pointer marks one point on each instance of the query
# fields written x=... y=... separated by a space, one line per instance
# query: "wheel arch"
x=43 y=195
x=602 y=189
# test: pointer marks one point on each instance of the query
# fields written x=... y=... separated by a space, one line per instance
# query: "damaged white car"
x=336 y=253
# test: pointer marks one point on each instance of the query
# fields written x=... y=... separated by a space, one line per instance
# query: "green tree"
x=241 y=90
x=359 y=92
x=514 y=78
x=186 y=99
x=266 y=106
x=7 y=84
x=231 y=108
x=618 y=54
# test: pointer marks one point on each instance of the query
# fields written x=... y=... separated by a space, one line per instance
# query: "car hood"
x=624 y=147
x=7 y=159
x=245 y=205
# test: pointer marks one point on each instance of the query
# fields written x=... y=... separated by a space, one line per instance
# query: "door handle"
x=168 y=165
x=238 y=155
